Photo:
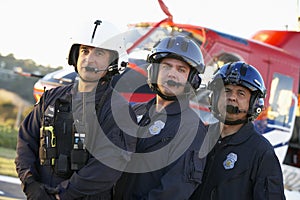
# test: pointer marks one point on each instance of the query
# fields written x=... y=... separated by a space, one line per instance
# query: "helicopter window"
x=224 y=58
x=216 y=63
x=131 y=81
x=280 y=102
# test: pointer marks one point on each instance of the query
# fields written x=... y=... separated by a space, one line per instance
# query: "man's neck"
x=161 y=103
x=227 y=130
x=86 y=86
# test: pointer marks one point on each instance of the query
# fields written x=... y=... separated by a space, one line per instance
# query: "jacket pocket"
x=193 y=167
x=274 y=187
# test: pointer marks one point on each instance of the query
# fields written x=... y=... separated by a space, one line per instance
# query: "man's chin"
x=168 y=92
x=171 y=91
x=90 y=78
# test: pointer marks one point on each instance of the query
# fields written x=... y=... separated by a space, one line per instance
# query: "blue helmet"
x=243 y=74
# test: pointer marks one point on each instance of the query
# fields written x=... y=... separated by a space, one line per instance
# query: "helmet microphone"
x=109 y=68
x=234 y=109
x=91 y=69
x=174 y=83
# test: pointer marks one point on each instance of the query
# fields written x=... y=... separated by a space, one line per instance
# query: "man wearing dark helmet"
x=241 y=163
x=166 y=163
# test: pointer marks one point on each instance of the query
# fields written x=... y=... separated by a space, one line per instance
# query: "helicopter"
x=275 y=53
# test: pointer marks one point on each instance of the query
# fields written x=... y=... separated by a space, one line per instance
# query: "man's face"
x=95 y=58
x=236 y=96
x=171 y=69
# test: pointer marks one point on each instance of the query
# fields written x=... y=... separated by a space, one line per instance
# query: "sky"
x=40 y=30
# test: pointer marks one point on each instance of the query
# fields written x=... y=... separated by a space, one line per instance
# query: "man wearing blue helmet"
x=166 y=163
x=242 y=164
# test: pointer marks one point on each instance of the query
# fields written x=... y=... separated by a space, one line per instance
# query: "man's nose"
x=231 y=96
x=91 y=57
x=172 y=73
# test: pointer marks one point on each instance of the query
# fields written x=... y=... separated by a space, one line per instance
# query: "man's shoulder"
x=140 y=108
x=258 y=140
x=57 y=92
x=192 y=117
x=60 y=89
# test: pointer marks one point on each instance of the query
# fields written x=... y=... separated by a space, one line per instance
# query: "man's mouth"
x=92 y=69
x=173 y=83
x=234 y=109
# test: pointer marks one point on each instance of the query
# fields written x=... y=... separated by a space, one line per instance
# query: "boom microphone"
x=174 y=83
x=109 y=68
x=234 y=109
x=92 y=69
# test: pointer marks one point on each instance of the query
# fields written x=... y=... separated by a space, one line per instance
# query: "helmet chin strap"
x=227 y=122
x=165 y=97
x=236 y=122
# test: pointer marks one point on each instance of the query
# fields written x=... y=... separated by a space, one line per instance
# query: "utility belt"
x=61 y=146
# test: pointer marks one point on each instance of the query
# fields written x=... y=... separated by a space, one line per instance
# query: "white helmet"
x=103 y=35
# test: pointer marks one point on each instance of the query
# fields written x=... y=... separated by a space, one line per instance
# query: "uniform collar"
x=174 y=108
x=91 y=96
x=242 y=135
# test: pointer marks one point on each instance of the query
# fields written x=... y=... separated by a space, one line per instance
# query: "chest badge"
x=156 y=127
x=230 y=160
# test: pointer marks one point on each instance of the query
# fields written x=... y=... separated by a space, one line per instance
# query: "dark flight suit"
x=176 y=171
x=95 y=179
x=242 y=166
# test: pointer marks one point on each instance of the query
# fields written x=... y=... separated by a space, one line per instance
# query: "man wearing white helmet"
x=73 y=145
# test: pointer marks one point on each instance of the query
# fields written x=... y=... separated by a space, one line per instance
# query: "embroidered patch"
x=156 y=127
x=230 y=160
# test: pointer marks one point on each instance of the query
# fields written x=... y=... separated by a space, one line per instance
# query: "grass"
x=8 y=137
x=7 y=159
x=8 y=141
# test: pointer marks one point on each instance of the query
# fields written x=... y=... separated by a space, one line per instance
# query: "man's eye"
x=84 y=51
x=182 y=70
x=242 y=94
x=164 y=66
x=99 y=53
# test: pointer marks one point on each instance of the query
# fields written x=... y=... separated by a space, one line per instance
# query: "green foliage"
x=7 y=164
x=8 y=132
x=8 y=137
x=26 y=111
x=21 y=85
x=8 y=112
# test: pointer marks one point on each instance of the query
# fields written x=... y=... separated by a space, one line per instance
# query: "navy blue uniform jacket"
x=95 y=180
x=242 y=166
x=173 y=169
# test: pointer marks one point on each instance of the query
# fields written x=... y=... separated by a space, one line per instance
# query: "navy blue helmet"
x=243 y=74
